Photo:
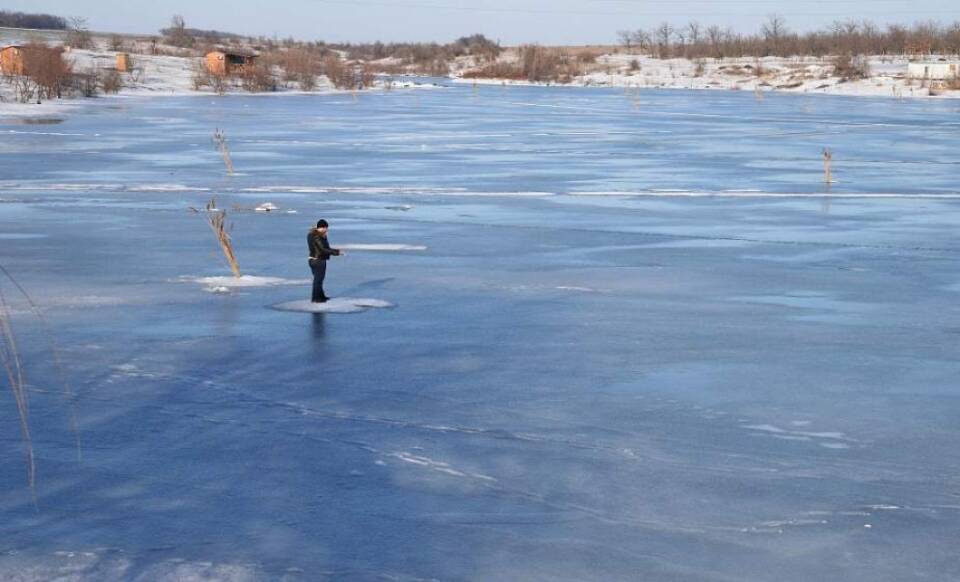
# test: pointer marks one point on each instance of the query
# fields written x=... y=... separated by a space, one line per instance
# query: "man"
x=320 y=251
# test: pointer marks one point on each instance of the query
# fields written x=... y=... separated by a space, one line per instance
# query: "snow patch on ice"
x=437 y=466
x=335 y=305
x=245 y=281
x=403 y=190
x=829 y=440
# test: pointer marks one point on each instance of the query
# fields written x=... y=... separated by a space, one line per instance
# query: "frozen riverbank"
x=887 y=76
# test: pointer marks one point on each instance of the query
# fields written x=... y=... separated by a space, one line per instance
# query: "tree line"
x=39 y=21
x=850 y=37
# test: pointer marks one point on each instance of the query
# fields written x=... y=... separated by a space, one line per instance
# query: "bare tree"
x=177 y=34
x=626 y=38
x=79 y=35
x=694 y=32
x=773 y=31
x=663 y=36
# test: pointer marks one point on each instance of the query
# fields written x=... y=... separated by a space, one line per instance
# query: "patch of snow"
x=244 y=281
x=335 y=305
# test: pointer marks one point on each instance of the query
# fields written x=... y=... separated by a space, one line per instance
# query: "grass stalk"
x=217 y=219
x=13 y=369
x=220 y=140
x=827 y=166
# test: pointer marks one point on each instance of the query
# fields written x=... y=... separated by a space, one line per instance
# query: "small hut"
x=11 y=60
x=225 y=63
x=934 y=70
x=124 y=64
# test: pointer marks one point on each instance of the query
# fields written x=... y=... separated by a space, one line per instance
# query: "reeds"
x=13 y=368
x=220 y=140
x=217 y=219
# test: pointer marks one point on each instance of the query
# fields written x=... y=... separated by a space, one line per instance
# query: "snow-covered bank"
x=155 y=75
x=809 y=75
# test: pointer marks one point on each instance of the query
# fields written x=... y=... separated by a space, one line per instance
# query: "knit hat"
x=322 y=223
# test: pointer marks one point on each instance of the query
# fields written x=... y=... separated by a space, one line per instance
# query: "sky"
x=509 y=21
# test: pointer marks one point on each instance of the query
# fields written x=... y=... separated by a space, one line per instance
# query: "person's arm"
x=327 y=250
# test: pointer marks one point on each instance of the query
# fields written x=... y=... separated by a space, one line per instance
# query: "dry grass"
x=13 y=368
x=217 y=219
x=220 y=140
x=12 y=365
x=827 y=166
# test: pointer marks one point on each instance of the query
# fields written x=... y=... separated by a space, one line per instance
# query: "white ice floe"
x=335 y=305
x=401 y=190
x=381 y=247
x=266 y=207
x=213 y=284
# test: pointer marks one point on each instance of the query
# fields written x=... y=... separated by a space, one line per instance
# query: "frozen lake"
x=606 y=345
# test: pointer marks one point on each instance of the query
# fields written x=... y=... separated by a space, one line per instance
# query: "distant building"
x=124 y=64
x=934 y=70
x=11 y=60
x=226 y=63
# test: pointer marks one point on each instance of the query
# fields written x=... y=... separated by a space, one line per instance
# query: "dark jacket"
x=320 y=247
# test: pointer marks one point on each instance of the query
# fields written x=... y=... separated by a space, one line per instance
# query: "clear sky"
x=510 y=21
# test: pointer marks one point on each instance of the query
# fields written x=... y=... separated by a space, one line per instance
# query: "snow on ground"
x=796 y=75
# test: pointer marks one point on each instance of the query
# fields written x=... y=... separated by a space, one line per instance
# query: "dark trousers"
x=319 y=269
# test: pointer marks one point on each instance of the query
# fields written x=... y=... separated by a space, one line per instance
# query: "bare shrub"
x=497 y=70
x=49 y=72
x=345 y=75
x=301 y=66
x=116 y=43
x=203 y=78
x=699 y=67
x=111 y=81
x=24 y=89
x=87 y=83
x=259 y=78
x=850 y=68
x=588 y=57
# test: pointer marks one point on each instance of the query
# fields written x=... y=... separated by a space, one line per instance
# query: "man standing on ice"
x=320 y=251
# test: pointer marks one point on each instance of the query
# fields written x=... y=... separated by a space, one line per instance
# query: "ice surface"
x=334 y=305
x=380 y=247
x=662 y=387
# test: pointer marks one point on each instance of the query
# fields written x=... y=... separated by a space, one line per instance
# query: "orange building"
x=124 y=65
x=11 y=60
x=225 y=63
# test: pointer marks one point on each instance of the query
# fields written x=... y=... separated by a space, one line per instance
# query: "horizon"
x=564 y=22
